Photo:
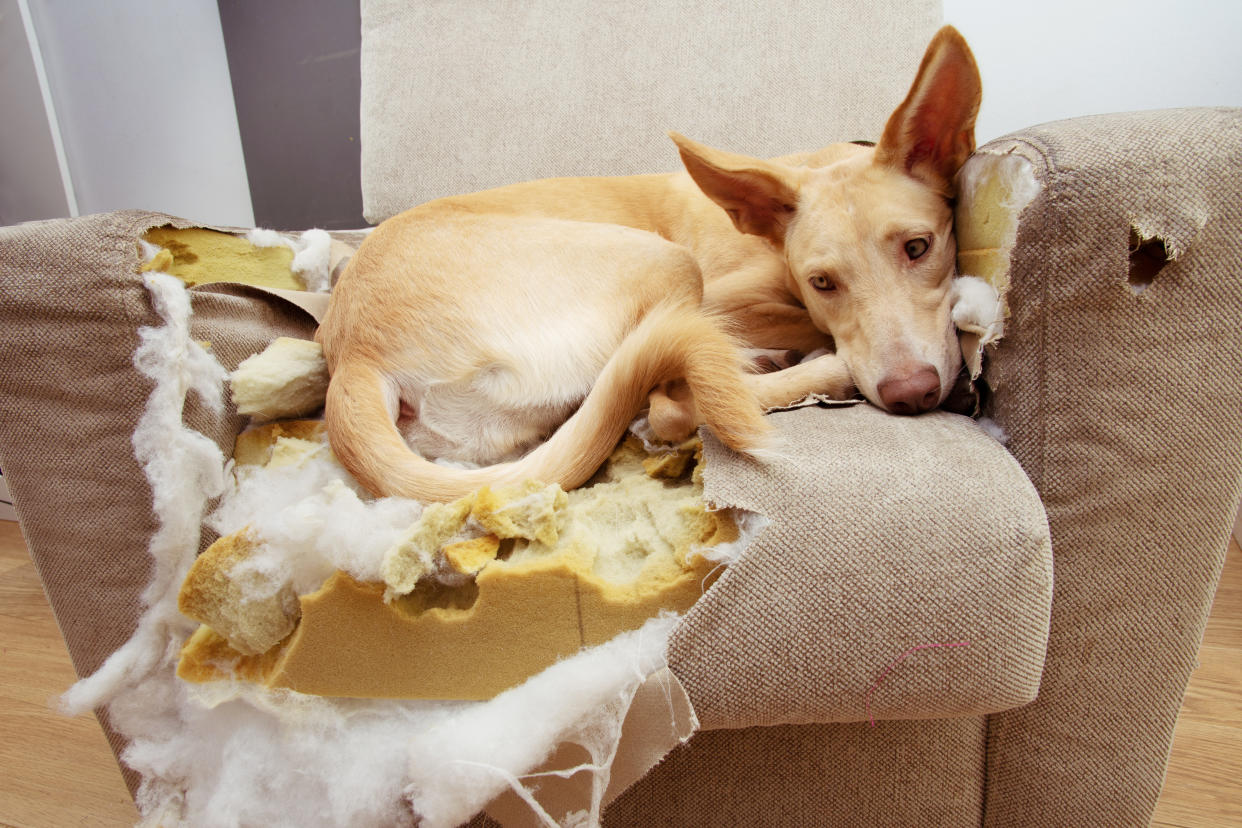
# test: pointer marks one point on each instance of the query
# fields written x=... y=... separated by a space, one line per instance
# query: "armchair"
x=1116 y=383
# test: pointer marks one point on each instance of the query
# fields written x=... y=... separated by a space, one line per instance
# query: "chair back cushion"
x=460 y=97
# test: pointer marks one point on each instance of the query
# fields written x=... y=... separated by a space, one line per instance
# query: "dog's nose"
x=911 y=392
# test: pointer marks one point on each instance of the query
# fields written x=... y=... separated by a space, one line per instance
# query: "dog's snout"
x=911 y=392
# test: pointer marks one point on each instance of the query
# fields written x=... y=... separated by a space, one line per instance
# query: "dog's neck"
x=687 y=217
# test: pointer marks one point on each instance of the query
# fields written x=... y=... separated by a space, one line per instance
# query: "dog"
x=523 y=328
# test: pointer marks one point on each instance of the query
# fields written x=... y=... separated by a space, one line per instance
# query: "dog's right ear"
x=932 y=133
x=760 y=197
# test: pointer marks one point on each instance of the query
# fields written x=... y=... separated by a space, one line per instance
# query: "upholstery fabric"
x=71 y=305
x=887 y=533
x=896 y=775
x=69 y=312
x=1124 y=405
x=458 y=97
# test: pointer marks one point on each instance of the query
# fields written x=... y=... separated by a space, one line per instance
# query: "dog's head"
x=868 y=232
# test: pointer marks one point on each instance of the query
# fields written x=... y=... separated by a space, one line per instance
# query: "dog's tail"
x=671 y=342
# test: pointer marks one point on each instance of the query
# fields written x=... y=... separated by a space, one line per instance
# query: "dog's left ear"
x=760 y=197
x=932 y=133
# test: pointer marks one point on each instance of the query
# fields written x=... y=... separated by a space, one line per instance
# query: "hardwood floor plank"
x=54 y=771
x=1202 y=788
x=1224 y=628
x=1213 y=696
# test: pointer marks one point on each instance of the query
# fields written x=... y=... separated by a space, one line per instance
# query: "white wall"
x=31 y=185
x=1063 y=58
x=142 y=92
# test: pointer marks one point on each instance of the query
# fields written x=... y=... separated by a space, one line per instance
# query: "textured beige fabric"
x=458 y=97
x=1126 y=410
x=68 y=314
x=888 y=533
x=895 y=775
x=70 y=308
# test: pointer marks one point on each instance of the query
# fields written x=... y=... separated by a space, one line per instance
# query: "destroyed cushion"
x=903 y=570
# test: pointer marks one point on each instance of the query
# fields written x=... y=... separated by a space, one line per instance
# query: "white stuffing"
x=994 y=430
x=235 y=754
x=185 y=469
x=312 y=519
x=312 y=254
x=459 y=765
x=148 y=250
x=1013 y=172
x=231 y=753
x=749 y=526
x=977 y=308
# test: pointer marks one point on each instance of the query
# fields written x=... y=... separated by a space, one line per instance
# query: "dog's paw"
x=767 y=360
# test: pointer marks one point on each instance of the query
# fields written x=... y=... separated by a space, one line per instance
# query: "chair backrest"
x=462 y=96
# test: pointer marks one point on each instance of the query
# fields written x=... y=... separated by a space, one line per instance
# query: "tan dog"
x=548 y=314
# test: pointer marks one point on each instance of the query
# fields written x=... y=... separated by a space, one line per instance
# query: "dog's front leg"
x=827 y=375
x=673 y=416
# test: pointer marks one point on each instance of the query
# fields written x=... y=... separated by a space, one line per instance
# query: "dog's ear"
x=760 y=197
x=932 y=133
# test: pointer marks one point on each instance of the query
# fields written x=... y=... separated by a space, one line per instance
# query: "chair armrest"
x=905 y=573
x=1119 y=382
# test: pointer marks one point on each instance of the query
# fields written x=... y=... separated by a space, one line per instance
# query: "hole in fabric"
x=1147 y=258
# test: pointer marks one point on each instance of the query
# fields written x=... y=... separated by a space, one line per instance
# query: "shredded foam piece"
x=994 y=189
x=312 y=254
x=458 y=619
x=197 y=255
x=287 y=379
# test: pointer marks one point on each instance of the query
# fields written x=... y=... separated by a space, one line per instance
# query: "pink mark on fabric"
x=900 y=659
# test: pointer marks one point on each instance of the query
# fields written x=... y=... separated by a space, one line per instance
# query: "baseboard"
x=7 y=512
x=1237 y=527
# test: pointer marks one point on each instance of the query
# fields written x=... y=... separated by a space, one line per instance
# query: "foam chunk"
x=249 y=607
x=455 y=617
x=469 y=556
x=288 y=379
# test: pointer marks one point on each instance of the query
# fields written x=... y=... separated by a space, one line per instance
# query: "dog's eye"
x=823 y=283
x=915 y=248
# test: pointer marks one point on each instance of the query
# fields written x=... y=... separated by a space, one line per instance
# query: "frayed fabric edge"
x=185 y=470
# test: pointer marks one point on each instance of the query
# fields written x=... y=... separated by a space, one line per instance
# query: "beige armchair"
x=1118 y=385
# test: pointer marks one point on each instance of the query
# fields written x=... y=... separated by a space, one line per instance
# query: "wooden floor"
x=57 y=772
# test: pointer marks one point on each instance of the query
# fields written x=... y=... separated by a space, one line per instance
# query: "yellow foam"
x=198 y=256
x=553 y=572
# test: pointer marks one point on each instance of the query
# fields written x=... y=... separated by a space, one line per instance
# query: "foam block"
x=479 y=594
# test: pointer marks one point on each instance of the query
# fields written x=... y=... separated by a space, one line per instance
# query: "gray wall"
x=294 y=66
